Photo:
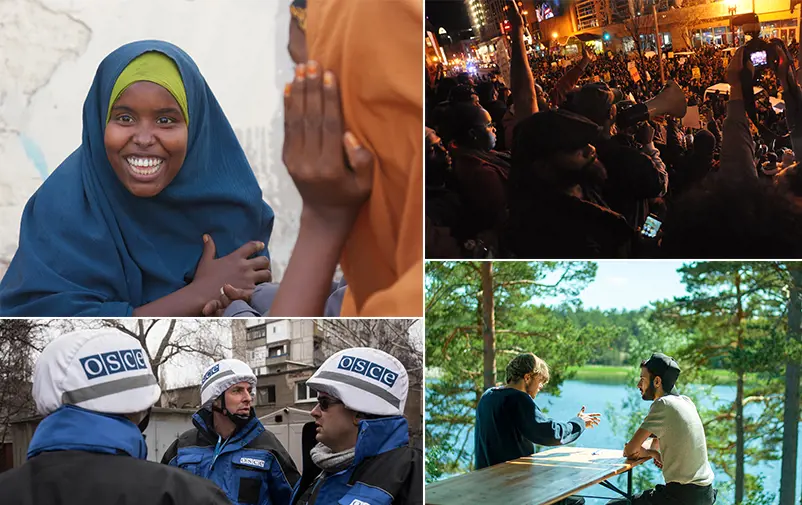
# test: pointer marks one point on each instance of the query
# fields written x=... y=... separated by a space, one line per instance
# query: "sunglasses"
x=327 y=401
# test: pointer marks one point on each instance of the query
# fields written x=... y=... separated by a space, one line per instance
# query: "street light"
x=554 y=35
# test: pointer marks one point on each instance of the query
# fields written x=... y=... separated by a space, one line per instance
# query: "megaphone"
x=670 y=100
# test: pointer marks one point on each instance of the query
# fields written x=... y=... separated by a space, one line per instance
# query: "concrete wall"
x=50 y=50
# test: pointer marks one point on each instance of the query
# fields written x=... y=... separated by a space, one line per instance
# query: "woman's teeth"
x=144 y=166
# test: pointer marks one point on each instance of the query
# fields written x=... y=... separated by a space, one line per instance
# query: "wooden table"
x=540 y=479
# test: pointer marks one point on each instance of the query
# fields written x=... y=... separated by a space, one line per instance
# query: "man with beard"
x=555 y=207
x=229 y=445
x=672 y=434
x=634 y=174
x=509 y=423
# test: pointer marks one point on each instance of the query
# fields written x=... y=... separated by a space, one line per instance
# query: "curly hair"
x=524 y=364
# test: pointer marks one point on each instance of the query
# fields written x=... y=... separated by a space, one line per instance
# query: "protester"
x=363 y=451
x=674 y=436
x=480 y=172
x=95 y=389
x=158 y=182
x=693 y=165
x=688 y=175
x=635 y=172
x=443 y=205
x=229 y=445
x=509 y=423
x=555 y=207
x=489 y=98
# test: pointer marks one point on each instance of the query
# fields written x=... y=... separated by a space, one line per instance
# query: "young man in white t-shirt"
x=673 y=435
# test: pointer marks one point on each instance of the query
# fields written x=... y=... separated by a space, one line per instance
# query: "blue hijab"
x=88 y=247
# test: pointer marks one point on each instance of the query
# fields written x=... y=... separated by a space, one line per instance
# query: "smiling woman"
x=146 y=130
x=133 y=221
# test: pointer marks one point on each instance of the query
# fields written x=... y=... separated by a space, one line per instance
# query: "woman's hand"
x=235 y=269
x=333 y=192
x=314 y=136
x=228 y=293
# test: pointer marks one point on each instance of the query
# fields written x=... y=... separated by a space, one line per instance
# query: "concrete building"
x=283 y=354
x=486 y=17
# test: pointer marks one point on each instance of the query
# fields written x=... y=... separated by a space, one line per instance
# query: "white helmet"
x=366 y=380
x=99 y=370
x=221 y=376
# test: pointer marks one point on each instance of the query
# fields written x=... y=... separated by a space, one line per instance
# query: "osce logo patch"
x=251 y=461
x=368 y=369
x=359 y=502
x=110 y=363
x=211 y=372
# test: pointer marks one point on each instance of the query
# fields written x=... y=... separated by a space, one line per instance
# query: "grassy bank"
x=601 y=373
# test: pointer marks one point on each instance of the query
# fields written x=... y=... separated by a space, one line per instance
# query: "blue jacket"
x=78 y=456
x=251 y=467
x=385 y=470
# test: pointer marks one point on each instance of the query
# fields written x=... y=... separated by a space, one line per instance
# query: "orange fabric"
x=375 y=48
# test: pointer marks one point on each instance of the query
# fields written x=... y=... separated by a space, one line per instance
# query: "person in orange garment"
x=378 y=239
x=383 y=256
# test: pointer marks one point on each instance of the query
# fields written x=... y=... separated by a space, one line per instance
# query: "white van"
x=724 y=90
x=760 y=94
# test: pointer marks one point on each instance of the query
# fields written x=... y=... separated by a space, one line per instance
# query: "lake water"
x=607 y=397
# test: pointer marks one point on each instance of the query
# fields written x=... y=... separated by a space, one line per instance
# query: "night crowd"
x=542 y=167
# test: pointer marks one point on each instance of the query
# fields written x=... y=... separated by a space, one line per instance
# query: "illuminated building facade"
x=486 y=17
x=606 y=18
x=710 y=22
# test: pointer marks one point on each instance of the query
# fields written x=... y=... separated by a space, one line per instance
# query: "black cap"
x=660 y=365
x=550 y=132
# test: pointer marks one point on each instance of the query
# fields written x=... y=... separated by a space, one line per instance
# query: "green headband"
x=157 y=68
